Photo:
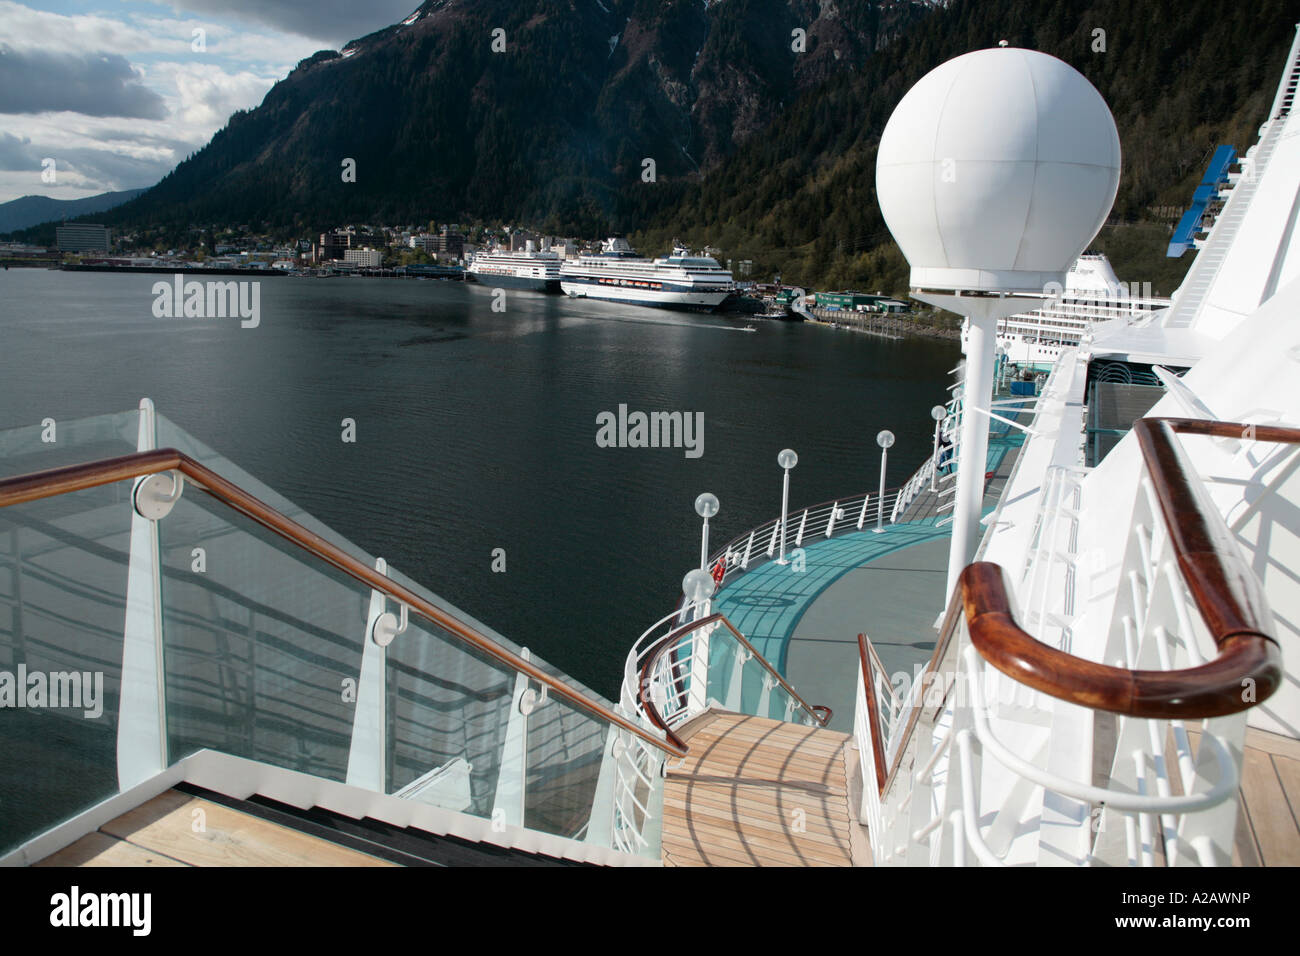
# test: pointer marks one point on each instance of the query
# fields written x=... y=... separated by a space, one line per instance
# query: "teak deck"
x=757 y=792
x=1268 y=833
x=176 y=829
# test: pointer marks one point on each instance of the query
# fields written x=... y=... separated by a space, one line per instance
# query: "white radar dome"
x=996 y=170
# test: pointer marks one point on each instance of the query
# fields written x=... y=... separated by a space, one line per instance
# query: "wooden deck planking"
x=100 y=849
x=758 y=792
x=166 y=831
x=1268 y=824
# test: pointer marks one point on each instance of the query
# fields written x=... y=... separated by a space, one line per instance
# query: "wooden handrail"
x=59 y=481
x=671 y=640
x=873 y=713
x=1222 y=585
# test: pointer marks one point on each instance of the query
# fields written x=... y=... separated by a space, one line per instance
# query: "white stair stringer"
x=1209 y=259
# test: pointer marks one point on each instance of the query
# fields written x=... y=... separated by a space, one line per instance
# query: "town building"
x=364 y=258
x=82 y=237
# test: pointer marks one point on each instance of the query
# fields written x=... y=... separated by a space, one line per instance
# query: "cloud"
x=207 y=95
x=142 y=36
x=18 y=153
x=334 y=20
x=118 y=98
x=96 y=84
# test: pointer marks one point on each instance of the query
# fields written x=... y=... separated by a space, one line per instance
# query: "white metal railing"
x=826 y=520
x=912 y=488
x=707 y=665
x=1160 y=802
x=1053 y=546
x=889 y=709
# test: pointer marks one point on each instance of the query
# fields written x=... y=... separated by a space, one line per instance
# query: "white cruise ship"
x=1092 y=297
x=617 y=274
x=530 y=269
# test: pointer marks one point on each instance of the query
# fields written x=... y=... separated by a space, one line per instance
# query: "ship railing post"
x=798 y=539
x=862 y=517
x=508 y=801
x=749 y=546
x=830 y=522
x=142 y=713
x=367 y=750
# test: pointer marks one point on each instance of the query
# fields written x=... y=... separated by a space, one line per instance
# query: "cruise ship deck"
x=807 y=622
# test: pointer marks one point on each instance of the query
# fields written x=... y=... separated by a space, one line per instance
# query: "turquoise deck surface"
x=767 y=603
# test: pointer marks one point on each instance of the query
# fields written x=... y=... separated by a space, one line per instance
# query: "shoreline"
x=881 y=326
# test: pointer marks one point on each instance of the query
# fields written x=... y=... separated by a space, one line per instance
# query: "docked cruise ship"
x=1091 y=297
x=529 y=269
x=1067 y=651
x=618 y=274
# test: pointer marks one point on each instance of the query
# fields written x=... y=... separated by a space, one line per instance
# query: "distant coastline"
x=169 y=270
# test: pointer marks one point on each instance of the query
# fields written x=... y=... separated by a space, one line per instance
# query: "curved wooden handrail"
x=671 y=639
x=873 y=712
x=59 y=481
x=1222 y=585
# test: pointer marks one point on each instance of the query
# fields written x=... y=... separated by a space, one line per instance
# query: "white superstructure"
x=617 y=274
x=1167 y=556
x=1092 y=298
x=529 y=269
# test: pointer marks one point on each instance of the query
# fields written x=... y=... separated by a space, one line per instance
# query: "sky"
x=117 y=92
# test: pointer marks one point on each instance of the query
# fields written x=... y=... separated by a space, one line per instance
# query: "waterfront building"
x=82 y=237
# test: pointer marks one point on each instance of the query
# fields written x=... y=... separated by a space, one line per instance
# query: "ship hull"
x=530 y=283
x=656 y=298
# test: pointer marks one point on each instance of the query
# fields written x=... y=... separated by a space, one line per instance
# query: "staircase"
x=1200 y=278
x=761 y=792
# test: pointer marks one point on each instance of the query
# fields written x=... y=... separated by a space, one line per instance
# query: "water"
x=476 y=430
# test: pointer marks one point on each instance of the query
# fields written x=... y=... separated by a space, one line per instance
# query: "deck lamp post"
x=787 y=459
x=698 y=587
x=706 y=506
x=938 y=413
x=884 y=439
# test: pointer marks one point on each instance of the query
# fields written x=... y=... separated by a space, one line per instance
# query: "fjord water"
x=476 y=430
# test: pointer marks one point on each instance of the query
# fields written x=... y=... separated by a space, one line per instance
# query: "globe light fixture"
x=885 y=439
x=706 y=506
x=938 y=413
x=787 y=459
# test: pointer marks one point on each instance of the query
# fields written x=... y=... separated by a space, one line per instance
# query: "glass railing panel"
x=263 y=645
x=37 y=447
x=565 y=747
x=448 y=712
x=63 y=575
x=262 y=642
x=170 y=435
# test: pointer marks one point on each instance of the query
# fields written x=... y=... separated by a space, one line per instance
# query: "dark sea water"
x=476 y=429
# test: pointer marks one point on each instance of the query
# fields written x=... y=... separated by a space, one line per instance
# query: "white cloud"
x=335 y=21
x=199 y=91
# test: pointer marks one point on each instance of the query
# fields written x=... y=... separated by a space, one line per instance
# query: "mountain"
x=759 y=150
x=554 y=129
x=29 y=211
x=1180 y=77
